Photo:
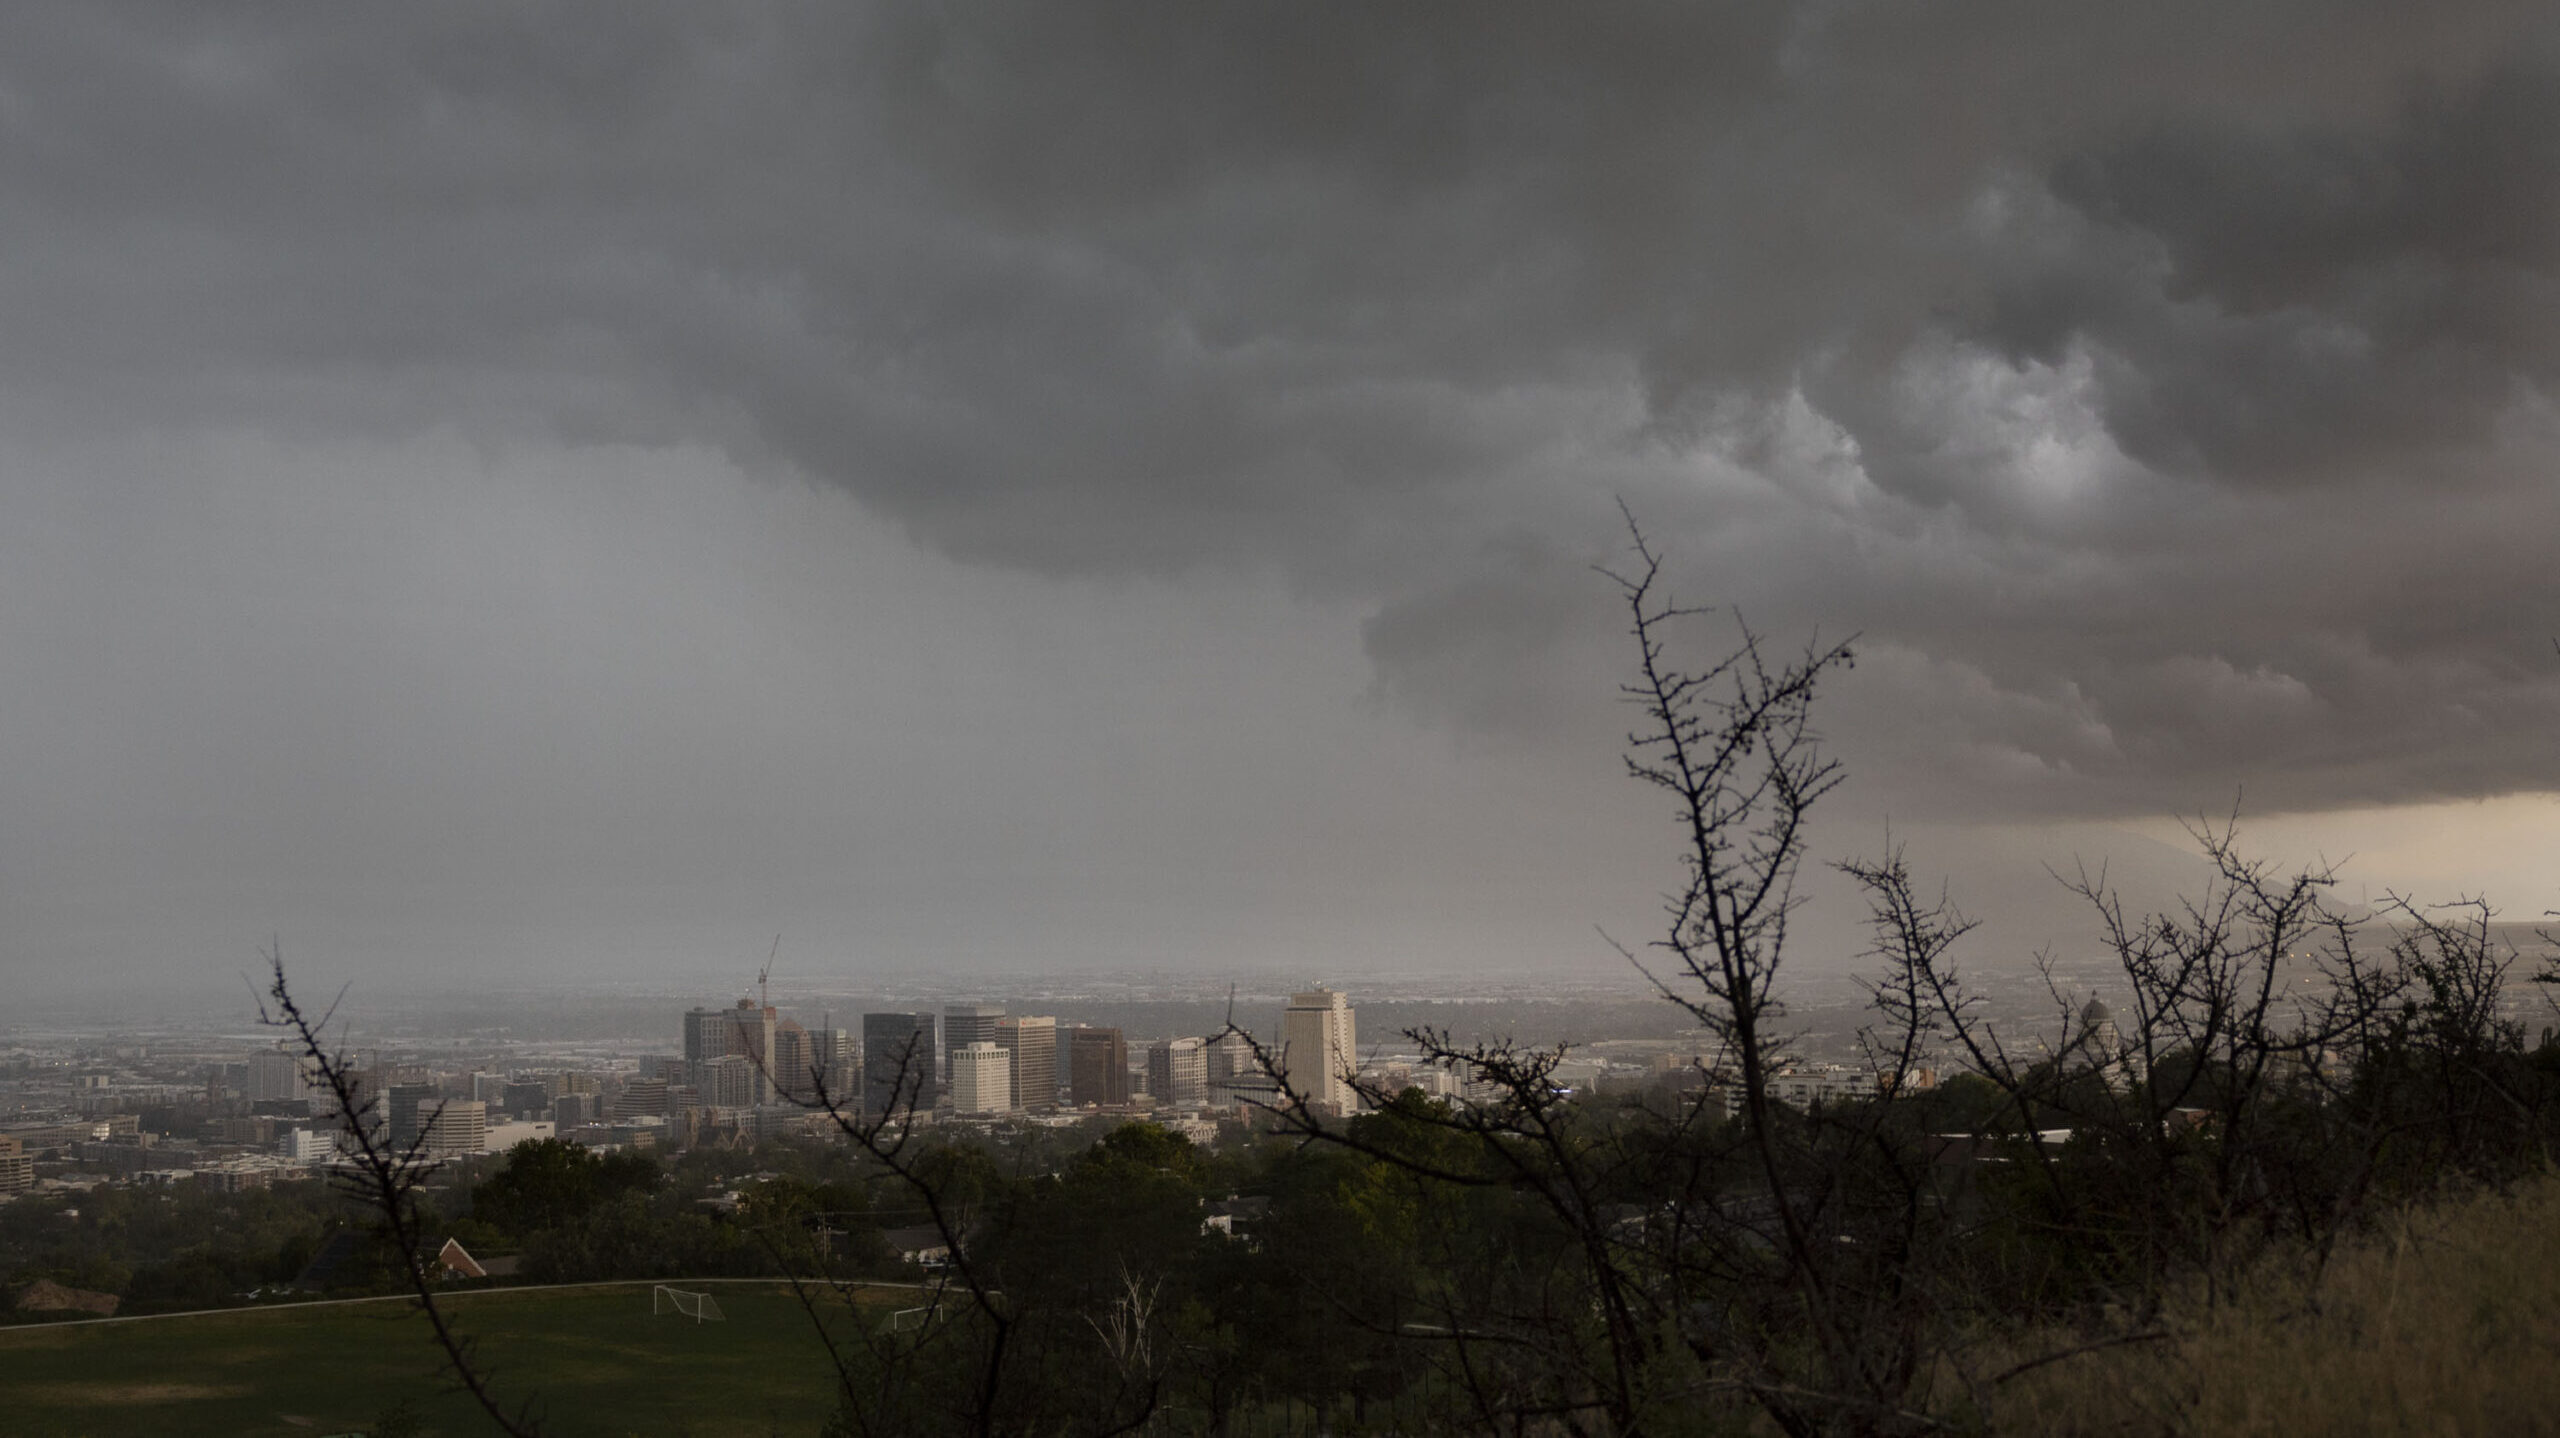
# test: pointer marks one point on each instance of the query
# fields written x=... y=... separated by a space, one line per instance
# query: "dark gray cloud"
x=2164 y=391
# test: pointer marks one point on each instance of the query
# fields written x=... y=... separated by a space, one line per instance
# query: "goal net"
x=697 y=1306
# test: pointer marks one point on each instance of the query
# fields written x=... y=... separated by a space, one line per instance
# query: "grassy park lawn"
x=594 y=1359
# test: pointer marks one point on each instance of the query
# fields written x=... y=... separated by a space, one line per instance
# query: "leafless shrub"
x=385 y=1177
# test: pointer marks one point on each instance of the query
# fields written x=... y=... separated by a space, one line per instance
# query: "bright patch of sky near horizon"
x=2495 y=849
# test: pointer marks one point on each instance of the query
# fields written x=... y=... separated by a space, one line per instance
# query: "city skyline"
x=1279 y=716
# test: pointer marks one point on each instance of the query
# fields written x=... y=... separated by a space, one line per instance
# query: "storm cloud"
x=2163 y=392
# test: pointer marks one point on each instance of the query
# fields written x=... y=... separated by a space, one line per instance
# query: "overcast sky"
x=530 y=492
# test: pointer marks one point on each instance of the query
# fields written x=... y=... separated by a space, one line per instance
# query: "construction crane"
x=765 y=975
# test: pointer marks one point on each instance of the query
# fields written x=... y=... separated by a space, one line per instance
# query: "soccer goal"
x=697 y=1306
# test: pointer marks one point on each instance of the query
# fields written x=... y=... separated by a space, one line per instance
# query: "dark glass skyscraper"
x=1097 y=1066
x=899 y=1063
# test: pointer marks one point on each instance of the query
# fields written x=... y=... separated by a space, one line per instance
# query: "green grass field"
x=594 y=1358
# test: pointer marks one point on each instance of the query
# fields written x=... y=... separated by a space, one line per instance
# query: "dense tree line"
x=1618 y=1265
x=167 y=1248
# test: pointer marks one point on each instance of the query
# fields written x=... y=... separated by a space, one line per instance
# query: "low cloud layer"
x=2163 y=391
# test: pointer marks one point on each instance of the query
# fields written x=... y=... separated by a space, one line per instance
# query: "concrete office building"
x=744 y=1029
x=1178 y=1073
x=755 y=1028
x=641 y=1097
x=793 y=1058
x=706 y=1036
x=981 y=1079
x=1033 y=1042
x=365 y=1100
x=1231 y=1056
x=731 y=1081
x=279 y=1077
x=1236 y=1079
x=460 y=1126
x=966 y=1024
x=835 y=1053
x=1319 y=1049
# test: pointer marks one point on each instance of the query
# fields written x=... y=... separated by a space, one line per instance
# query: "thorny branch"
x=386 y=1177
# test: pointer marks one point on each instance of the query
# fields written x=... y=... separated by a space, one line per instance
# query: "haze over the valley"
x=494 y=494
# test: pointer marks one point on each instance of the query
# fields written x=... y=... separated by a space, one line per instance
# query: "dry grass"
x=2445 y=1322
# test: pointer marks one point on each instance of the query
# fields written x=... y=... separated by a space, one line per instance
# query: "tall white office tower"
x=1178 y=1073
x=1318 y=1048
x=966 y=1024
x=981 y=1079
x=1033 y=1042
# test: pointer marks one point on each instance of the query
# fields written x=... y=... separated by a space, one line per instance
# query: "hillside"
x=2440 y=1322
x=594 y=1359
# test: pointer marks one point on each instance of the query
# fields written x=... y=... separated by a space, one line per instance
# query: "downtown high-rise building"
x=458 y=1126
x=832 y=1052
x=706 y=1036
x=1231 y=1056
x=899 y=1064
x=981 y=1079
x=1319 y=1048
x=412 y=1106
x=731 y=1081
x=642 y=1097
x=1236 y=1079
x=527 y=1098
x=1097 y=1066
x=793 y=1060
x=966 y=1024
x=746 y=1030
x=364 y=1104
x=1033 y=1042
x=279 y=1077
x=1178 y=1073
